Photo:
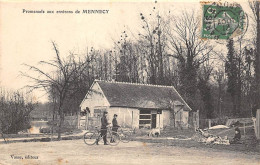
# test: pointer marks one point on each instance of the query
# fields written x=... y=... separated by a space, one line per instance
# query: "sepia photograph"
x=128 y=82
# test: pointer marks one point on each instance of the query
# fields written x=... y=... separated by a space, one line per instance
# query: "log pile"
x=207 y=138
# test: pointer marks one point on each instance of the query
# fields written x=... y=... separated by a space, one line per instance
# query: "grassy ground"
x=245 y=148
x=184 y=138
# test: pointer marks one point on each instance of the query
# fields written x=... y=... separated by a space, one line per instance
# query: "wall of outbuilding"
x=127 y=117
x=95 y=99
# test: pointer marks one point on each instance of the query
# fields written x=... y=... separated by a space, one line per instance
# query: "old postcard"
x=129 y=82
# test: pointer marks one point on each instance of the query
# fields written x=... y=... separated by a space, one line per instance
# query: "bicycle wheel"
x=113 y=138
x=125 y=137
x=90 y=137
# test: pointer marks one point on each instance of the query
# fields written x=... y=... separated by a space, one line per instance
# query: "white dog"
x=154 y=132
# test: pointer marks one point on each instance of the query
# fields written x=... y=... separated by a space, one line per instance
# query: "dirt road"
x=76 y=152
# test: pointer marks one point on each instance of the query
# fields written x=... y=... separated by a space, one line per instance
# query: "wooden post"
x=244 y=129
x=257 y=124
x=78 y=121
x=86 y=122
x=159 y=121
x=124 y=118
x=132 y=118
x=198 y=118
x=195 y=120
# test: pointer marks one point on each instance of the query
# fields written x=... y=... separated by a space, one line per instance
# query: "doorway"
x=153 y=124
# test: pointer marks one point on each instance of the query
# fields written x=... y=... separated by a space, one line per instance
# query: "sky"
x=25 y=38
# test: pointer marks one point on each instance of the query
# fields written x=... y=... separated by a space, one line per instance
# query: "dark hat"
x=105 y=112
x=115 y=115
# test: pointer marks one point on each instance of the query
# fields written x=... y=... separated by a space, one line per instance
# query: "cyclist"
x=104 y=125
x=115 y=125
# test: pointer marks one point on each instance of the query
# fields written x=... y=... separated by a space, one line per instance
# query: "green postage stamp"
x=222 y=21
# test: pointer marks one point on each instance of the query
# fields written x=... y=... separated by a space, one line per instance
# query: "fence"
x=207 y=123
x=71 y=121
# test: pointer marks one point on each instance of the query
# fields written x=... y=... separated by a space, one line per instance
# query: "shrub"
x=14 y=112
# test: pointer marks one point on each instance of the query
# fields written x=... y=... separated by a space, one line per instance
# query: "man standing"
x=114 y=127
x=104 y=125
x=115 y=124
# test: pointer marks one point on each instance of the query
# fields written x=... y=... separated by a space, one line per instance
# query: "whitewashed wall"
x=166 y=118
x=95 y=99
x=178 y=113
x=185 y=118
x=181 y=116
x=127 y=117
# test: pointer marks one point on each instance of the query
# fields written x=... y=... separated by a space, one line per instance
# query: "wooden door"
x=153 y=121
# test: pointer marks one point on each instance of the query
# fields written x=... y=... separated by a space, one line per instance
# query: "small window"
x=144 y=121
x=145 y=112
x=145 y=116
x=98 y=112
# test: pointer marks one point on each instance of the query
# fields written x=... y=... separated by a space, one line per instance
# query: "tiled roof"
x=135 y=95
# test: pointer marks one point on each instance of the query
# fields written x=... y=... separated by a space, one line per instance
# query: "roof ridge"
x=131 y=83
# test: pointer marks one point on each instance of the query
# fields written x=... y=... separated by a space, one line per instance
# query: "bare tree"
x=154 y=39
x=189 y=50
x=127 y=68
x=62 y=82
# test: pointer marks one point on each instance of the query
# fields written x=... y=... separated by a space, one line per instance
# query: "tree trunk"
x=234 y=102
x=258 y=54
x=60 y=123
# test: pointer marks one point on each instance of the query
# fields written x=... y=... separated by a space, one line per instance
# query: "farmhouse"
x=137 y=105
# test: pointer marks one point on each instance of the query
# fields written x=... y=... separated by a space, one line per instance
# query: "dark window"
x=144 y=121
x=145 y=112
x=145 y=116
x=98 y=112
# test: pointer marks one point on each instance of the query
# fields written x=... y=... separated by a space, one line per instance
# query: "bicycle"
x=125 y=135
x=91 y=137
